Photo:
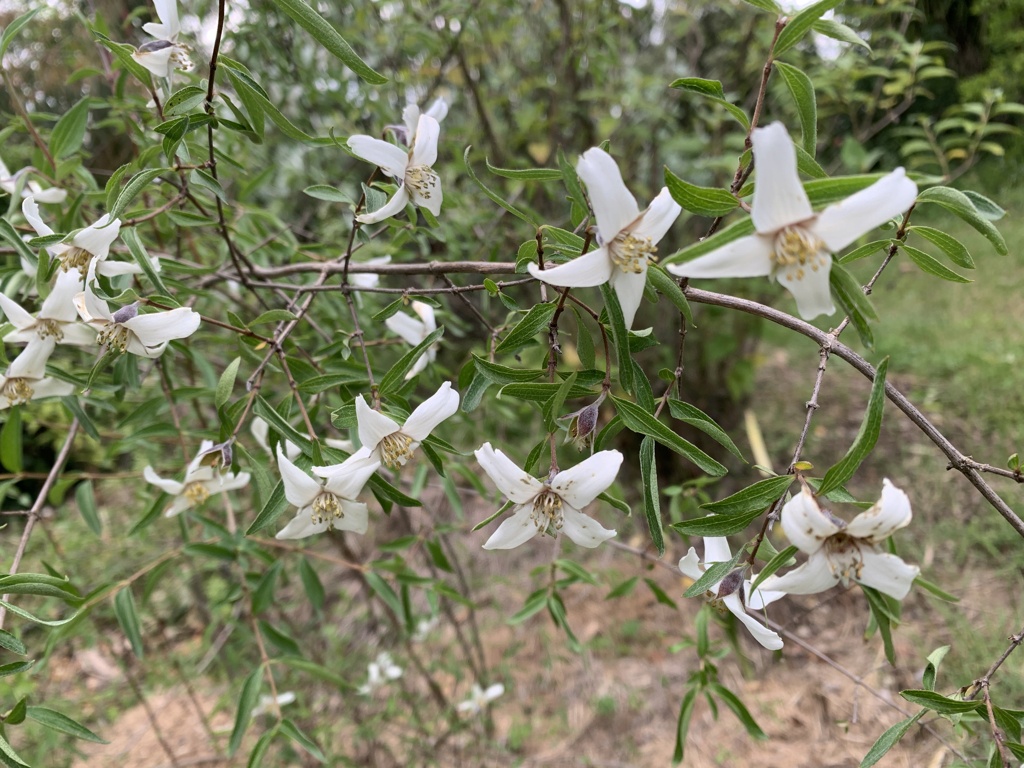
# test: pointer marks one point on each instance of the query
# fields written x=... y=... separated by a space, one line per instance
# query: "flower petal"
x=431 y=412
x=373 y=426
x=805 y=524
x=355 y=517
x=887 y=573
x=438 y=109
x=30 y=210
x=16 y=314
x=516 y=530
x=716 y=550
x=167 y=12
x=50 y=195
x=299 y=488
x=580 y=485
x=614 y=206
x=629 y=289
x=425 y=312
x=160 y=327
x=96 y=239
x=888 y=515
x=78 y=334
x=232 y=482
x=60 y=304
x=410 y=118
x=813 y=576
x=779 y=197
x=158 y=61
x=424 y=148
x=302 y=525
x=840 y=224
x=347 y=479
x=172 y=487
x=51 y=388
x=392 y=207
x=689 y=565
x=516 y=484
x=659 y=216
x=389 y=158
x=582 y=529
x=411 y=330
x=748 y=256
x=760 y=598
x=759 y=631
x=810 y=288
x=115 y=268
x=593 y=268
x=493 y=692
x=31 y=363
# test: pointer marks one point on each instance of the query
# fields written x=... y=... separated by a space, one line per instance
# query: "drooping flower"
x=480 y=698
x=9 y=183
x=199 y=484
x=164 y=53
x=415 y=331
x=392 y=445
x=26 y=378
x=727 y=591
x=127 y=331
x=792 y=243
x=551 y=506
x=57 y=318
x=89 y=247
x=380 y=671
x=330 y=502
x=627 y=238
x=438 y=110
x=842 y=552
x=413 y=170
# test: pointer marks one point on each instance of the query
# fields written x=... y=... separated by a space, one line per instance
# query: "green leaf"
x=15 y=26
x=289 y=729
x=932 y=667
x=717 y=525
x=866 y=438
x=660 y=595
x=526 y=174
x=86 y=502
x=734 y=231
x=840 y=32
x=246 y=704
x=260 y=750
x=664 y=283
x=395 y=377
x=493 y=196
x=624 y=588
x=961 y=205
x=620 y=337
x=226 y=382
x=712 y=91
x=773 y=565
x=138 y=182
x=328 y=37
x=685 y=713
x=953 y=248
x=864 y=250
x=312 y=585
x=527 y=329
x=800 y=24
x=503 y=374
x=183 y=101
x=272 y=509
x=264 y=410
x=124 y=52
x=649 y=483
x=130 y=236
x=852 y=300
x=272 y=316
x=258 y=104
x=9 y=756
x=932 y=266
x=986 y=208
x=704 y=201
x=882 y=618
x=737 y=707
x=639 y=420
x=10 y=234
x=695 y=417
x=712 y=575
x=755 y=497
x=765 y=5
x=802 y=90
x=328 y=193
x=888 y=740
x=15 y=667
x=40 y=584
x=11 y=643
x=10 y=441
x=69 y=131
x=58 y=722
x=124 y=609
x=936 y=702
x=385 y=593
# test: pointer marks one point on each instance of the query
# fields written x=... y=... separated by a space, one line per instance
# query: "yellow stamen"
x=631 y=253
x=114 y=336
x=75 y=258
x=17 y=390
x=196 y=493
x=844 y=557
x=422 y=179
x=395 y=449
x=326 y=509
x=795 y=250
x=547 y=513
x=49 y=329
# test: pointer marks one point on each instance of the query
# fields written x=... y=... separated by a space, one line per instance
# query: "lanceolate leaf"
x=15 y=26
x=63 y=723
x=395 y=377
x=128 y=618
x=712 y=91
x=961 y=205
x=753 y=498
x=246 y=703
x=527 y=328
x=799 y=25
x=649 y=481
x=931 y=266
x=888 y=740
x=941 y=704
x=639 y=420
x=695 y=417
x=802 y=91
x=953 y=248
x=705 y=201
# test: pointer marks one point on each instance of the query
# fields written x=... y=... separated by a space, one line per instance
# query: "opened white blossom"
x=551 y=506
x=727 y=592
x=417 y=181
x=380 y=671
x=328 y=502
x=438 y=110
x=627 y=237
x=88 y=248
x=57 y=318
x=479 y=698
x=128 y=331
x=26 y=378
x=842 y=552
x=200 y=482
x=164 y=53
x=792 y=243
x=393 y=445
x=414 y=331
x=9 y=184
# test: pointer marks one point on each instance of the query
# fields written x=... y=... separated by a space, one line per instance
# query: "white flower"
x=416 y=178
x=792 y=243
x=201 y=482
x=260 y=431
x=415 y=331
x=480 y=698
x=127 y=331
x=627 y=237
x=393 y=445
x=26 y=379
x=330 y=502
x=57 y=318
x=411 y=118
x=162 y=55
x=88 y=248
x=9 y=183
x=840 y=551
x=368 y=279
x=267 y=701
x=380 y=672
x=727 y=591
x=551 y=506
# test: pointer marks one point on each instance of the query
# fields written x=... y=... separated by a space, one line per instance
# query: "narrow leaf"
x=527 y=328
x=128 y=618
x=802 y=91
x=246 y=704
x=58 y=722
x=932 y=266
x=226 y=382
x=800 y=24
x=639 y=420
x=704 y=201
x=649 y=482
